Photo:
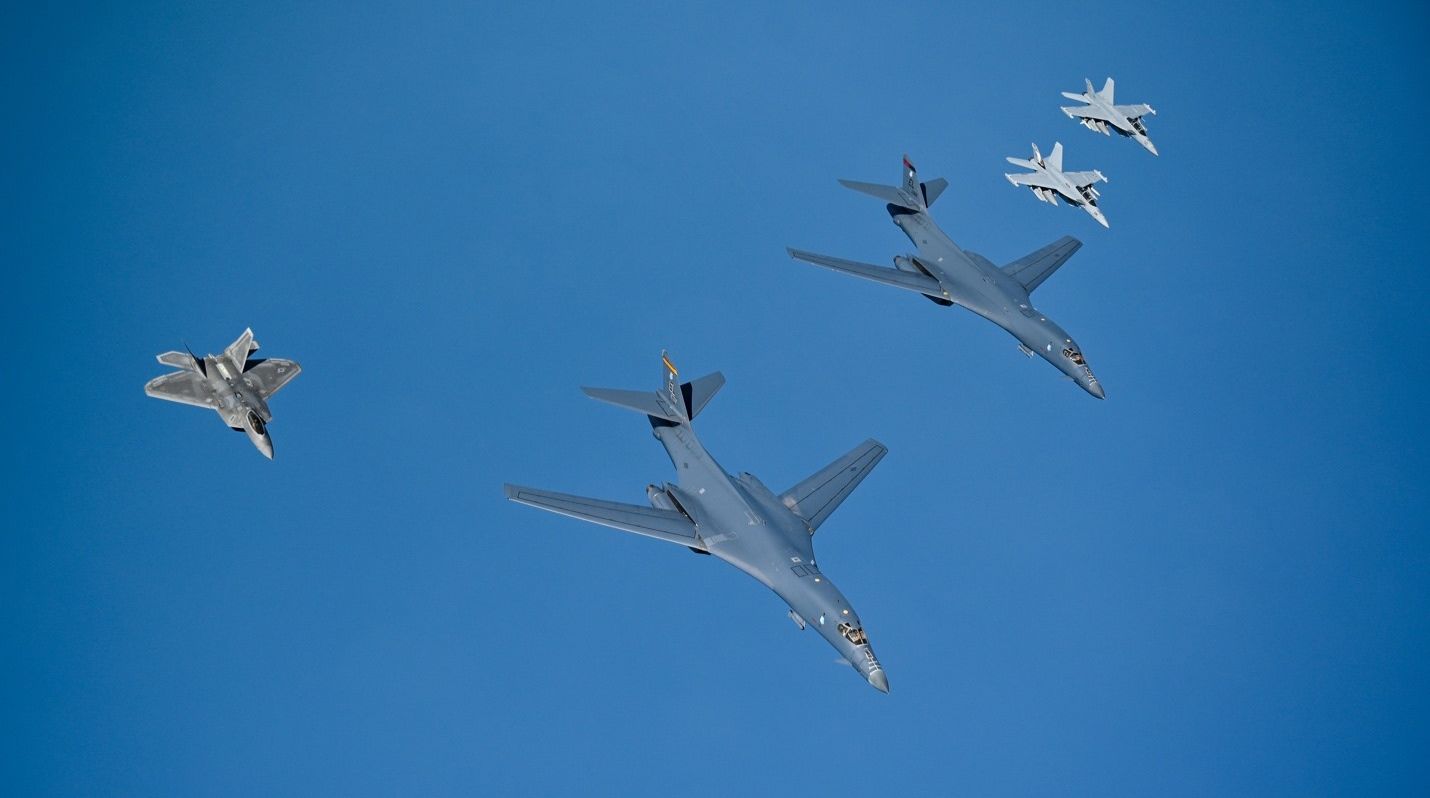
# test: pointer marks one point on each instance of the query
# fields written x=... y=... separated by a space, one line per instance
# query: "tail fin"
x=239 y=350
x=1106 y=93
x=676 y=402
x=1055 y=158
x=912 y=194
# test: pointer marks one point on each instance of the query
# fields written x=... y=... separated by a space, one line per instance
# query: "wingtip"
x=510 y=490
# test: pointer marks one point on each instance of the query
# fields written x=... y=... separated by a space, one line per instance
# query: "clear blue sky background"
x=454 y=214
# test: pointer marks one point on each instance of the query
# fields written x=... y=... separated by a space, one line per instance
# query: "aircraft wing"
x=649 y=521
x=1134 y=111
x=819 y=495
x=1038 y=179
x=1031 y=270
x=271 y=374
x=898 y=278
x=1081 y=179
x=184 y=387
x=1090 y=112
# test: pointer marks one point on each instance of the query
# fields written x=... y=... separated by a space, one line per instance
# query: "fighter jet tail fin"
x=1106 y=93
x=1031 y=270
x=818 y=496
x=239 y=350
x=676 y=402
x=1055 y=158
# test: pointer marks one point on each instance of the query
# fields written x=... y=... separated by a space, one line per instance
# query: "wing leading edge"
x=818 y=496
x=1031 y=270
x=880 y=274
x=649 y=521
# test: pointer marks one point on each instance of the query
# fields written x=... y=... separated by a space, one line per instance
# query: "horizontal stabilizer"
x=1032 y=270
x=819 y=495
x=647 y=402
x=933 y=188
x=184 y=387
x=179 y=360
x=908 y=281
x=648 y=521
x=889 y=194
x=698 y=392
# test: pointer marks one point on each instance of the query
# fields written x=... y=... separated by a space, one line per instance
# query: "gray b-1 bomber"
x=230 y=384
x=1099 y=113
x=735 y=518
x=952 y=276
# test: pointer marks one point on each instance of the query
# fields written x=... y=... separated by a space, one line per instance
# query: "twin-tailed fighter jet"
x=952 y=276
x=1099 y=113
x=230 y=384
x=735 y=518
x=1048 y=181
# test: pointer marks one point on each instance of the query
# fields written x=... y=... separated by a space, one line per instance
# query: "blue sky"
x=454 y=214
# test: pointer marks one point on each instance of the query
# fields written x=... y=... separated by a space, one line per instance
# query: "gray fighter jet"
x=1048 y=181
x=229 y=383
x=1100 y=112
x=952 y=276
x=735 y=518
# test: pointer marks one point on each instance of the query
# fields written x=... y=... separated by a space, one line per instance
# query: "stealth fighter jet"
x=735 y=518
x=952 y=276
x=229 y=383
x=1048 y=181
x=1100 y=112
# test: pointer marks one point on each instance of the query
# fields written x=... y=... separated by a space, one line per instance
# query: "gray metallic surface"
x=1048 y=181
x=1100 y=113
x=736 y=518
x=230 y=384
x=952 y=276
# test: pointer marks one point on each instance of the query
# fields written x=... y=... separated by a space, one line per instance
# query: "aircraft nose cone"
x=880 y=681
x=265 y=445
x=1096 y=390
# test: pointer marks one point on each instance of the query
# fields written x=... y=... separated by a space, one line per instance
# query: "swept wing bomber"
x=952 y=276
x=1099 y=113
x=230 y=384
x=1048 y=181
x=735 y=518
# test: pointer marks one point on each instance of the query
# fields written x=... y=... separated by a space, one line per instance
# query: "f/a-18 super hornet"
x=1099 y=113
x=735 y=518
x=1048 y=181
x=229 y=383
x=952 y=276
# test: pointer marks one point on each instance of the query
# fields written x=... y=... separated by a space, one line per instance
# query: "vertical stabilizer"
x=1055 y=158
x=675 y=402
x=911 y=187
x=239 y=350
x=1106 y=94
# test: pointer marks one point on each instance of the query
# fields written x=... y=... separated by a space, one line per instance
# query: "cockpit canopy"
x=853 y=634
x=255 y=422
x=1074 y=355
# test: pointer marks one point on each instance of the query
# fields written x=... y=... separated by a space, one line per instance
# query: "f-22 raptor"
x=229 y=383
x=1100 y=112
x=1048 y=181
x=735 y=518
x=948 y=275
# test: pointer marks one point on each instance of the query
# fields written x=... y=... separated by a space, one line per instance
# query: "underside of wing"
x=1089 y=112
x=649 y=521
x=819 y=495
x=270 y=374
x=1082 y=179
x=908 y=281
x=184 y=387
x=1031 y=270
x=1033 y=179
x=1134 y=111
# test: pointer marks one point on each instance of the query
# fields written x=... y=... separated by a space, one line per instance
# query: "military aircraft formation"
x=736 y=518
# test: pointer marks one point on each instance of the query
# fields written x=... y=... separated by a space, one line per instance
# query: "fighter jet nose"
x=267 y=448
x=880 y=681
x=1152 y=148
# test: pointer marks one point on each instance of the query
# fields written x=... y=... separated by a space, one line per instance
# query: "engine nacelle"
x=906 y=264
x=658 y=498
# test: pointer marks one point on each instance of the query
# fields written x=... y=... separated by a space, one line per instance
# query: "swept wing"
x=649 y=521
x=1031 y=270
x=271 y=374
x=880 y=274
x=819 y=495
x=184 y=387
